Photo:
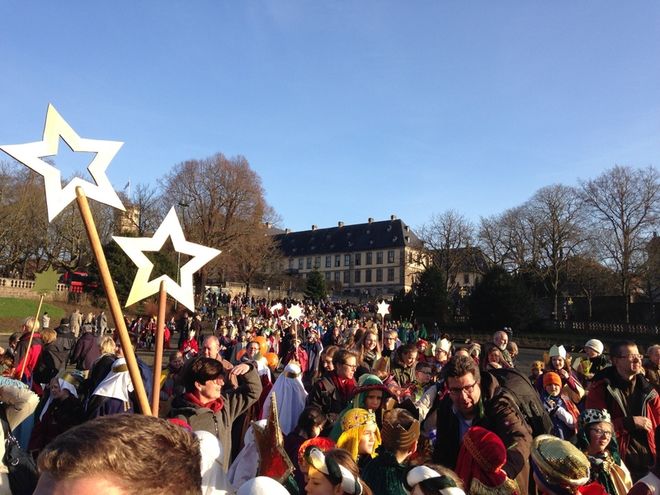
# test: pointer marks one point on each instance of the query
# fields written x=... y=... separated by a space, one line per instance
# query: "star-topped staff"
x=142 y=287
x=57 y=198
x=296 y=312
x=44 y=283
x=383 y=310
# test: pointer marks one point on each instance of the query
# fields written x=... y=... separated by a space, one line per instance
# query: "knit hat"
x=558 y=466
x=557 y=351
x=551 y=377
x=596 y=345
x=481 y=458
x=353 y=424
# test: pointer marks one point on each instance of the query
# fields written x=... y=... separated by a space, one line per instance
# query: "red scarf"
x=214 y=405
x=346 y=386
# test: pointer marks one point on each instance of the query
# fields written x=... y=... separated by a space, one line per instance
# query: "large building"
x=367 y=259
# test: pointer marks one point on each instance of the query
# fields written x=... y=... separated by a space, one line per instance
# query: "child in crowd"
x=563 y=412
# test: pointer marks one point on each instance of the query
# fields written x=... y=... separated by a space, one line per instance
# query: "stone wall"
x=12 y=287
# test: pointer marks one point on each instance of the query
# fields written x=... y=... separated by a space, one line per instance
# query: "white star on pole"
x=142 y=287
x=383 y=309
x=57 y=197
x=295 y=312
x=275 y=308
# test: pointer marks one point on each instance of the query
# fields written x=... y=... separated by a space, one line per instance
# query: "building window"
x=300 y=263
x=367 y=275
x=309 y=263
x=379 y=274
x=347 y=276
x=337 y=260
x=379 y=258
x=347 y=260
x=357 y=277
x=327 y=276
x=290 y=263
x=358 y=259
x=328 y=261
x=337 y=276
x=317 y=262
x=390 y=274
x=466 y=279
x=369 y=260
x=390 y=256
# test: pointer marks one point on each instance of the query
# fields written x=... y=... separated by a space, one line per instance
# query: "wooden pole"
x=34 y=326
x=158 y=352
x=113 y=301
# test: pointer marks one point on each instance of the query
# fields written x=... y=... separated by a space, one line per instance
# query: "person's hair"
x=310 y=417
x=13 y=338
x=484 y=360
x=359 y=347
x=442 y=471
x=48 y=335
x=201 y=370
x=512 y=347
x=211 y=338
x=616 y=347
x=329 y=351
x=459 y=366
x=31 y=323
x=392 y=332
x=652 y=348
x=122 y=448
x=343 y=458
x=341 y=355
x=423 y=364
x=107 y=345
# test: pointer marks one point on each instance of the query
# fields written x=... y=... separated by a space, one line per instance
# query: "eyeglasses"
x=602 y=433
x=351 y=366
x=632 y=357
x=458 y=391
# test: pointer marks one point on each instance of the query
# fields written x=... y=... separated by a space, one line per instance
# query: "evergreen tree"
x=501 y=299
x=316 y=288
x=431 y=296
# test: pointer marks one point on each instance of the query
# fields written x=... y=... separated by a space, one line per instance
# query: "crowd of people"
x=338 y=401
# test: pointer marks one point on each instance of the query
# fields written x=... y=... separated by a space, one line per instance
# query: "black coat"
x=86 y=351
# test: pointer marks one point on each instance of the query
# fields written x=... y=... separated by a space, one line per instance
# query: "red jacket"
x=30 y=355
x=604 y=394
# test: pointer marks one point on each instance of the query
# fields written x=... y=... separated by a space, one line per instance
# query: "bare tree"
x=223 y=199
x=252 y=255
x=624 y=205
x=557 y=211
x=448 y=237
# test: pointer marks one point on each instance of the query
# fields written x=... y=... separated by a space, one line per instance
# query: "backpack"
x=527 y=399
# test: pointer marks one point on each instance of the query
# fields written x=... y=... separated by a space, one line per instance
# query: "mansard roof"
x=387 y=234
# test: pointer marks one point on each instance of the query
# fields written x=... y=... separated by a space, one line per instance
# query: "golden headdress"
x=352 y=425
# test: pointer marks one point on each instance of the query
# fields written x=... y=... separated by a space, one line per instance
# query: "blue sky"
x=347 y=110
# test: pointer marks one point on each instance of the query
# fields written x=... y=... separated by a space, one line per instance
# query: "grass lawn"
x=14 y=310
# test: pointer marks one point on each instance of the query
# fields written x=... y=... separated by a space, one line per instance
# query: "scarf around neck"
x=214 y=405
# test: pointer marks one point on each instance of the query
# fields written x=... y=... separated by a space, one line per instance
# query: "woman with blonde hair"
x=368 y=351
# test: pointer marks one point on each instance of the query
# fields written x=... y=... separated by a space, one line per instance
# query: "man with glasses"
x=476 y=399
x=633 y=404
x=390 y=343
x=333 y=391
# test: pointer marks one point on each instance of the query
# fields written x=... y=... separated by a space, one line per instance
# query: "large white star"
x=142 y=287
x=295 y=312
x=57 y=198
x=383 y=308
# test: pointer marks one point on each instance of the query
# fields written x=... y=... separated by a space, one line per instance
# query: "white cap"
x=557 y=351
x=596 y=345
x=443 y=345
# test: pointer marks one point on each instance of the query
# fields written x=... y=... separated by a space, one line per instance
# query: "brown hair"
x=460 y=366
x=123 y=447
x=201 y=370
x=341 y=355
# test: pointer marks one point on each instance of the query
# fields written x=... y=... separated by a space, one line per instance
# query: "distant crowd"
x=337 y=401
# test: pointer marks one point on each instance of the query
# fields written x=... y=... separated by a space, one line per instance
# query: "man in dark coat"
x=86 y=350
x=63 y=345
x=476 y=399
x=205 y=407
x=332 y=392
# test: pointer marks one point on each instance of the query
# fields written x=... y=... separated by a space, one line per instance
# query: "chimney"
x=406 y=228
x=370 y=220
x=314 y=227
x=287 y=231
x=392 y=217
x=340 y=224
x=268 y=225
